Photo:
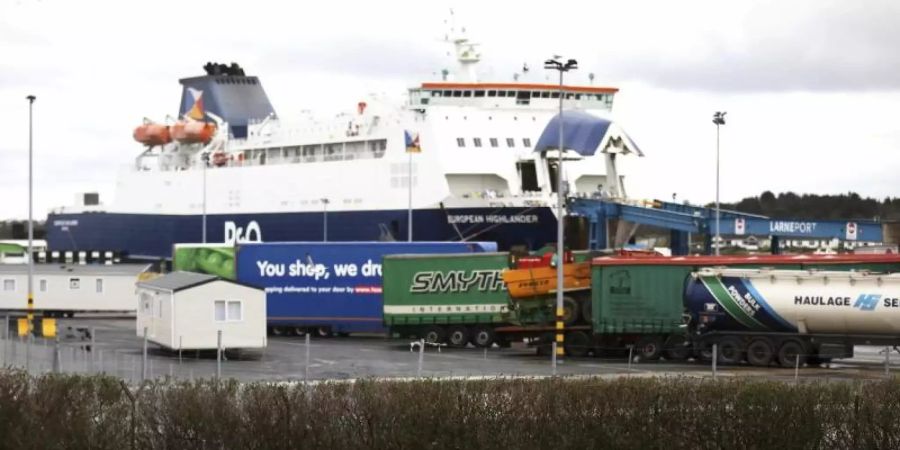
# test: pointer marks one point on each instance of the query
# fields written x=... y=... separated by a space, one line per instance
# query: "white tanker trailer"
x=767 y=315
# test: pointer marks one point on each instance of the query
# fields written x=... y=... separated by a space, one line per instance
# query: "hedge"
x=65 y=411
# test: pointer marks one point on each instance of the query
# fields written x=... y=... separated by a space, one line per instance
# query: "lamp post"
x=205 y=160
x=409 y=183
x=556 y=63
x=31 y=99
x=718 y=119
x=324 y=220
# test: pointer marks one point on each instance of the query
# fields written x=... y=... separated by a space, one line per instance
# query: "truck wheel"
x=458 y=336
x=649 y=348
x=545 y=344
x=790 y=353
x=677 y=349
x=760 y=352
x=731 y=350
x=703 y=351
x=324 y=332
x=276 y=331
x=297 y=331
x=570 y=311
x=434 y=335
x=586 y=311
x=483 y=337
x=577 y=344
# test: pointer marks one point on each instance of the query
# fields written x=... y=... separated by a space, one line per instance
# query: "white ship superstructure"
x=459 y=152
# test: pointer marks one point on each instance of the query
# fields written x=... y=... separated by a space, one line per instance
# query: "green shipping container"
x=637 y=298
x=214 y=259
x=444 y=289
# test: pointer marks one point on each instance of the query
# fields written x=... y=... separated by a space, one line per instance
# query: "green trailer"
x=445 y=298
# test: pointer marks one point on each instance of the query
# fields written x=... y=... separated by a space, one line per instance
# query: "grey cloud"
x=827 y=50
x=372 y=59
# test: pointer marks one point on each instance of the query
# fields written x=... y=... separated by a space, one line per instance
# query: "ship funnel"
x=227 y=92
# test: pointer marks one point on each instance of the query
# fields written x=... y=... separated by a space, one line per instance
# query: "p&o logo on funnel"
x=196 y=112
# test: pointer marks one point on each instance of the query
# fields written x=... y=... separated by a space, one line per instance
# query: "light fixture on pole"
x=718 y=119
x=31 y=99
x=556 y=64
x=324 y=220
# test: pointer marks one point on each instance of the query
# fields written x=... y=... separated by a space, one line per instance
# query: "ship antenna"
x=467 y=56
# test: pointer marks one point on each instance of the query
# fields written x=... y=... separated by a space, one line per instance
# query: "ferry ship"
x=458 y=157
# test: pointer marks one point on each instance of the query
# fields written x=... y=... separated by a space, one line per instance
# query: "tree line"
x=820 y=207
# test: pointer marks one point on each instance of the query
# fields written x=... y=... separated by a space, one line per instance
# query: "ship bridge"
x=510 y=95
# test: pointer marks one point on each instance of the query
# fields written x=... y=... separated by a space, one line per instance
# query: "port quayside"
x=475 y=172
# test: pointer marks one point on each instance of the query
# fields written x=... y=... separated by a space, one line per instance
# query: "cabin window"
x=42 y=285
x=554 y=95
x=545 y=94
x=74 y=283
x=235 y=311
x=435 y=93
x=492 y=93
x=448 y=93
x=460 y=142
x=476 y=142
x=510 y=93
x=229 y=311
x=510 y=142
x=479 y=93
x=220 y=311
x=9 y=285
x=526 y=142
x=493 y=142
x=501 y=93
x=457 y=93
x=99 y=285
x=467 y=93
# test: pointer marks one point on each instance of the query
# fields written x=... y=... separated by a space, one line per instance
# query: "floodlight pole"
x=31 y=99
x=718 y=119
x=556 y=64
x=324 y=220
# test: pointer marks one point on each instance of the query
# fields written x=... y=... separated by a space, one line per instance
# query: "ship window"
x=74 y=283
x=510 y=93
x=523 y=98
x=479 y=93
x=424 y=101
x=569 y=96
x=334 y=152
x=9 y=285
x=526 y=142
x=545 y=94
x=577 y=96
x=467 y=93
x=477 y=142
x=493 y=142
x=554 y=95
x=460 y=142
x=457 y=93
x=448 y=93
x=510 y=142
x=492 y=93
x=311 y=153
x=501 y=93
x=435 y=93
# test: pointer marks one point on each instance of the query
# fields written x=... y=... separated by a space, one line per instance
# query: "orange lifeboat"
x=193 y=132
x=152 y=134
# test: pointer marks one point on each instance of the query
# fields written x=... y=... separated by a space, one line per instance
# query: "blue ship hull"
x=152 y=236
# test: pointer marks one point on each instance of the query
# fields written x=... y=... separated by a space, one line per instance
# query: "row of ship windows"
x=519 y=94
x=494 y=142
x=335 y=151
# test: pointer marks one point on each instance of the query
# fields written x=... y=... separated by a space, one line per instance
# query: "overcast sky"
x=811 y=87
